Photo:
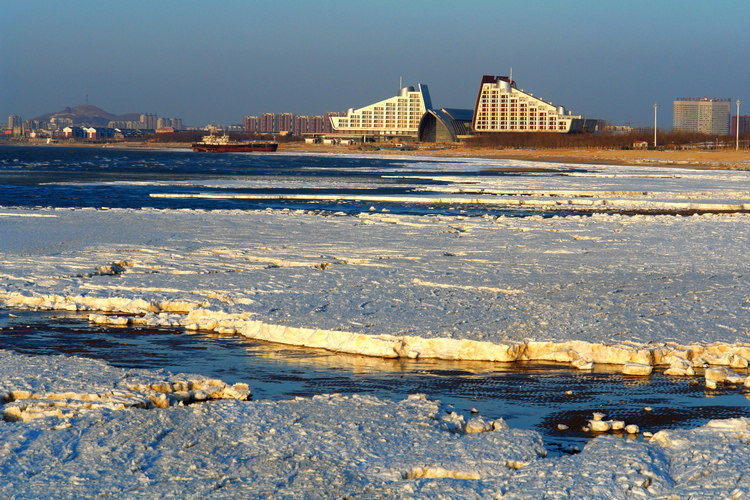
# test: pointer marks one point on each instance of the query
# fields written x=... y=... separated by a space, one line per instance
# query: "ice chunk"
x=433 y=472
x=631 y=368
x=583 y=364
x=717 y=374
x=599 y=425
x=477 y=424
x=617 y=425
x=679 y=367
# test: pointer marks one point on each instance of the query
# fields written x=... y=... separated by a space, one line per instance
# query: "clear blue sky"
x=215 y=62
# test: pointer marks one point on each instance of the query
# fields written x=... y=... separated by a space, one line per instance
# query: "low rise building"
x=74 y=132
x=99 y=132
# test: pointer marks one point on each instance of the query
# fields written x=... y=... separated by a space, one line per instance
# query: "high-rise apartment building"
x=316 y=124
x=175 y=123
x=14 y=121
x=395 y=116
x=285 y=122
x=251 y=124
x=268 y=124
x=300 y=125
x=149 y=121
x=744 y=125
x=15 y=124
x=274 y=123
x=704 y=115
x=501 y=107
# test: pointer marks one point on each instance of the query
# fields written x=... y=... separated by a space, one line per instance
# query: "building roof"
x=448 y=123
x=464 y=115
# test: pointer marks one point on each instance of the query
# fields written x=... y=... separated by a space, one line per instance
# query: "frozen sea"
x=180 y=179
x=338 y=287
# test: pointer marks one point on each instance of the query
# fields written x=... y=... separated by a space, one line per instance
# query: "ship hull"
x=236 y=148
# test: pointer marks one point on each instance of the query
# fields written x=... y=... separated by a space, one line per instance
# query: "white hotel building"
x=394 y=117
x=501 y=107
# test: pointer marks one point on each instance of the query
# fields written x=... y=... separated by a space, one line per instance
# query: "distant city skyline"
x=219 y=63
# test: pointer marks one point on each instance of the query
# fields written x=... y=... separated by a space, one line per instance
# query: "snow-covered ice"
x=630 y=290
x=665 y=292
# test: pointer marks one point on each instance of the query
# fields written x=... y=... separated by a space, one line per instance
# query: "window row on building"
x=397 y=116
x=501 y=107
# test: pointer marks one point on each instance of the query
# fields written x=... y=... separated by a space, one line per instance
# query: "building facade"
x=501 y=107
x=744 y=125
x=73 y=131
x=14 y=121
x=149 y=120
x=175 y=123
x=285 y=122
x=301 y=125
x=251 y=123
x=98 y=132
x=289 y=123
x=316 y=124
x=268 y=124
x=397 y=116
x=703 y=115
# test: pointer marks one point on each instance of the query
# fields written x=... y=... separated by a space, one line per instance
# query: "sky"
x=216 y=62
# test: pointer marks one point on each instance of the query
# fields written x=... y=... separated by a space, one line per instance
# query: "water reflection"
x=536 y=396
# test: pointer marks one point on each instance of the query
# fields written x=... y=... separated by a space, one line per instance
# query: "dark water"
x=119 y=178
x=527 y=395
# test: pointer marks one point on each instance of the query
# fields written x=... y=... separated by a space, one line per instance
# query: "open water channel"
x=527 y=395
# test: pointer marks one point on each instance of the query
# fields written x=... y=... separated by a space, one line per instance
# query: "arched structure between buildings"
x=445 y=125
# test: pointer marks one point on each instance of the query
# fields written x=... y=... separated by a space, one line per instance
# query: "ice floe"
x=479 y=288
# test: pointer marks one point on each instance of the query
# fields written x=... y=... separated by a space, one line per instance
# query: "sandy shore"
x=717 y=159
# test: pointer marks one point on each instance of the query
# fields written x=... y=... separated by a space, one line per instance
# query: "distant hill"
x=90 y=115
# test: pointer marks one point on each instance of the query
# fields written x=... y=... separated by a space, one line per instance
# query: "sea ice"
x=642 y=291
x=447 y=287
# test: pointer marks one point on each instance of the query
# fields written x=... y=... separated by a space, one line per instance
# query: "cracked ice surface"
x=638 y=291
x=641 y=289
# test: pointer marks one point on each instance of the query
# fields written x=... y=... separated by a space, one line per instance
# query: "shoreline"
x=696 y=159
x=693 y=159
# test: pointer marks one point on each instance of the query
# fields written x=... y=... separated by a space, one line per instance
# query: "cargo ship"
x=222 y=144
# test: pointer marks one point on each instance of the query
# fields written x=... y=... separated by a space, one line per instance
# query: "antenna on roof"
x=400 y=83
x=511 y=76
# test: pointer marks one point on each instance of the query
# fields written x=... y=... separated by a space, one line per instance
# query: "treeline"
x=665 y=140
